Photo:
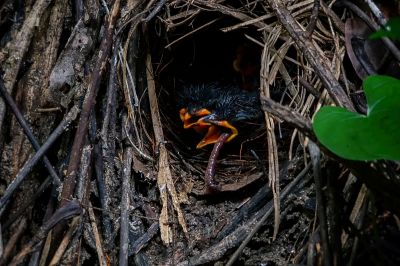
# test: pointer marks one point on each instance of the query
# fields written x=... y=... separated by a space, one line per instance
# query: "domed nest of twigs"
x=124 y=162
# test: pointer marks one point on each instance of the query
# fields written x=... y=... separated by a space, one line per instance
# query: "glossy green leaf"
x=391 y=30
x=358 y=137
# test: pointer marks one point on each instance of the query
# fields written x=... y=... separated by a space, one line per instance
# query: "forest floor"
x=96 y=167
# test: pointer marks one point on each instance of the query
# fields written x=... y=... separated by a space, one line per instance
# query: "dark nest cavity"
x=185 y=58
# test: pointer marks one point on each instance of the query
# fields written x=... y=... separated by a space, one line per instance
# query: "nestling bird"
x=214 y=108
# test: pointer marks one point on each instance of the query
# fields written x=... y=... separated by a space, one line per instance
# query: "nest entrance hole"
x=185 y=56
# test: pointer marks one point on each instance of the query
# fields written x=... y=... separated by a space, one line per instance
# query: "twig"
x=335 y=19
x=334 y=212
x=30 y=201
x=260 y=223
x=164 y=177
x=155 y=10
x=389 y=44
x=90 y=98
x=126 y=190
x=377 y=12
x=192 y=32
x=309 y=88
x=40 y=256
x=78 y=4
x=211 y=186
x=272 y=152
x=374 y=179
x=144 y=239
x=68 y=211
x=311 y=248
x=12 y=242
x=97 y=238
x=28 y=132
x=257 y=201
x=232 y=12
x=218 y=250
x=72 y=114
x=84 y=174
x=315 y=155
x=289 y=115
x=65 y=242
x=105 y=169
x=359 y=225
x=313 y=19
x=312 y=55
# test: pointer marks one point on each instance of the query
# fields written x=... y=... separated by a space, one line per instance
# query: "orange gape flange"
x=198 y=122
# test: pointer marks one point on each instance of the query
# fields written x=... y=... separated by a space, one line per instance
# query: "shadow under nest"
x=206 y=57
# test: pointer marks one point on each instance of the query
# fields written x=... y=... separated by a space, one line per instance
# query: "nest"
x=129 y=163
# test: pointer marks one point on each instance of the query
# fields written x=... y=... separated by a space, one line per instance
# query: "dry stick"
x=97 y=238
x=376 y=11
x=357 y=238
x=313 y=19
x=21 y=120
x=12 y=242
x=211 y=186
x=289 y=115
x=126 y=190
x=72 y=114
x=39 y=257
x=307 y=47
x=18 y=47
x=105 y=171
x=192 y=32
x=68 y=211
x=315 y=155
x=155 y=10
x=28 y=202
x=164 y=177
x=144 y=239
x=105 y=48
x=232 y=12
x=272 y=151
x=309 y=87
x=389 y=44
x=334 y=219
x=65 y=242
x=332 y=15
x=241 y=234
x=260 y=223
x=374 y=179
x=78 y=5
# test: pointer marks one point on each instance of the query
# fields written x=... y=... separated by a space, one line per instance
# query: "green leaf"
x=358 y=137
x=391 y=30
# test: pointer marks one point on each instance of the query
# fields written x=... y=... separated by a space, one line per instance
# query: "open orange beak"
x=192 y=120
x=201 y=122
x=214 y=132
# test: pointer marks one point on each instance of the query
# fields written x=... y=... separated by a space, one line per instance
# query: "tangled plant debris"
x=104 y=172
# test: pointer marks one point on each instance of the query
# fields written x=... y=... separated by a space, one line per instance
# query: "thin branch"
x=69 y=210
x=312 y=55
x=126 y=190
x=90 y=99
x=315 y=155
x=72 y=114
x=241 y=234
x=28 y=132
x=361 y=14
